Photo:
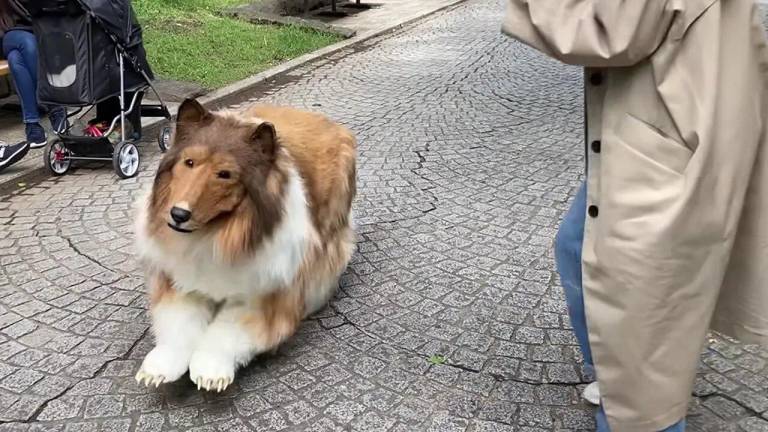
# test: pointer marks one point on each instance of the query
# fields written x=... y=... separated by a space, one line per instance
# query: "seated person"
x=19 y=47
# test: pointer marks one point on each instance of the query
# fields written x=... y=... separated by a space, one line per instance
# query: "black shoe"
x=10 y=154
x=58 y=118
x=35 y=135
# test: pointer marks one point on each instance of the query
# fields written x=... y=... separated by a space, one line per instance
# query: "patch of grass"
x=187 y=40
x=437 y=359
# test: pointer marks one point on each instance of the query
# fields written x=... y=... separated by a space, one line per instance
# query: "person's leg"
x=677 y=427
x=568 y=244
x=20 y=49
x=602 y=424
x=108 y=109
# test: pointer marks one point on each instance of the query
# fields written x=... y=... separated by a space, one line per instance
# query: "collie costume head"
x=222 y=178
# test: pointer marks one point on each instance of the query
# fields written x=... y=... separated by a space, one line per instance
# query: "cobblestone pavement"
x=470 y=147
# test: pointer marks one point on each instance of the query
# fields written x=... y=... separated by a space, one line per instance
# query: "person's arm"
x=595 y=33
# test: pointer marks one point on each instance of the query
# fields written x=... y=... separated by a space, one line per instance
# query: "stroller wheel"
x=164 y=138
x=56 y=157
x=125 y=159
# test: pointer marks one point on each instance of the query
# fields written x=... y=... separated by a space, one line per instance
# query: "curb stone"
x=232 y=94
x=243 y=13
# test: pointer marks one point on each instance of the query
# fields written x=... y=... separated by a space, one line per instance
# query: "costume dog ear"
x=264 y=138
x=191 y=112
x=191 y=116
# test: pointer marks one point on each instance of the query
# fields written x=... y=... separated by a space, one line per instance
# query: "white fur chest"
x=198 y=271
x=190 y=262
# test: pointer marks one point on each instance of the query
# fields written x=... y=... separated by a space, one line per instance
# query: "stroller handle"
x=53 y=7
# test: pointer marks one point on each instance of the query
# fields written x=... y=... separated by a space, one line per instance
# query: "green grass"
x=187 y=40
x=437 y=359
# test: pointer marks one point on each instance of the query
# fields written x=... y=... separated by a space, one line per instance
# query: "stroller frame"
x=67 y=148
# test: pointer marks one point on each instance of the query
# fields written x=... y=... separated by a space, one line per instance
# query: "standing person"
x=20 y=49
x=667 y=237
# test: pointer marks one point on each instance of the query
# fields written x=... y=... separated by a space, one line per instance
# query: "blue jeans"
x=568 y=244
x=20 y=49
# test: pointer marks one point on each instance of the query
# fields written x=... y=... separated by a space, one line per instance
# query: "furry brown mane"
x=255 y=218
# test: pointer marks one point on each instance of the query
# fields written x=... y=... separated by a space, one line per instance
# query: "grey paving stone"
x=371 y=421
x=535 y=415
x=486 y=426
x=344 y=411
x=751 y=400
x=753 y=424
x=104 y=406
x=498 y=411
x=150 y=422
x=300 y=412
x=556 y=395
x=448 y=423
x=270 y=420
x=563 y=373
x=725 y=408
x=20 y=380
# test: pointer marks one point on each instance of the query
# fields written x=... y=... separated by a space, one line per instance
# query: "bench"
x=356 y=5
x=334 y=9
x=5 y=83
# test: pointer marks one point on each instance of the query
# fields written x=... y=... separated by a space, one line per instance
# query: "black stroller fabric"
x=78 y=62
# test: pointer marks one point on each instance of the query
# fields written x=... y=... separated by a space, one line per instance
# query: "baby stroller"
x=91 y=54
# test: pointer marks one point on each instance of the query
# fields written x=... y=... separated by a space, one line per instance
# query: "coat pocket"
x=651 y=143
x=642 y=179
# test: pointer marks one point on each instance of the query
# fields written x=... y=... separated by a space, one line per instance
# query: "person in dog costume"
x=669 y=234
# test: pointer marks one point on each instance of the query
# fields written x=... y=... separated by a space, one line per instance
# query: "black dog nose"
x=179 y=215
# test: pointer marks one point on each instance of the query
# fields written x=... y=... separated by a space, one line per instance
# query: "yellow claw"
x=215 y=384
x=147 y=380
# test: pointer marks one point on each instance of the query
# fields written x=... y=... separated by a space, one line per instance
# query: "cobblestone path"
x=450 y=317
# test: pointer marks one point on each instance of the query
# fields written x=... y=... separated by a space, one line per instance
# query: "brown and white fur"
x=258 y=238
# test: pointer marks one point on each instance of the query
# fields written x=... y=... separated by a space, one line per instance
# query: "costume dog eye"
x=224 y=174
x=189 y=162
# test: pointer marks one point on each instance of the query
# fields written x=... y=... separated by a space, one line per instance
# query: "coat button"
x=596 y=146
x=592 y=211
x=596 y=78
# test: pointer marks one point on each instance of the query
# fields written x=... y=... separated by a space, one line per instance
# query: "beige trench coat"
x=677 y=169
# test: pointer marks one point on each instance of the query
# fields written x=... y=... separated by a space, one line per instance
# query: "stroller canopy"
x=81 y=45
x=115 y=15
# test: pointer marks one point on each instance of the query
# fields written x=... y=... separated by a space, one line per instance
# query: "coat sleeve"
x=592 y=33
